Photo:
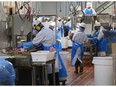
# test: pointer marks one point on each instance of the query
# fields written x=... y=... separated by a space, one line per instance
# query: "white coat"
x=47 y=38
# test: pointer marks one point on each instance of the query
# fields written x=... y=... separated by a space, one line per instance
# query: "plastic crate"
x=42 y=56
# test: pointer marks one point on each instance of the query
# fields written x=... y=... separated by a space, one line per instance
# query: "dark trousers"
x=78 y=64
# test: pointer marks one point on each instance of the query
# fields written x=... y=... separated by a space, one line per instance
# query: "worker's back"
x=46 y=37
x=79 y=37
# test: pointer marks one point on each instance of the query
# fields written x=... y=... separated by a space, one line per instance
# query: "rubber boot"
x=81 y=68
x=76 y=70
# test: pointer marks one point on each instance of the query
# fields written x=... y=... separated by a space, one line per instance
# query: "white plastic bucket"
x=103 y=70
x=114 y=67
x=42 y=56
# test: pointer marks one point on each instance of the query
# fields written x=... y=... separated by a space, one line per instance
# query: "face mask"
x=82 y=29
x=38 y=28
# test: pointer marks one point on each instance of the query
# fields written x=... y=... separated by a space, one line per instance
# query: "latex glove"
x=21 y=46
x=26 y=45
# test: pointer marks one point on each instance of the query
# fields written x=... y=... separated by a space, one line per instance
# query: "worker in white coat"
x=89 y=10
x=60 y=26
x=46 y=37
x=78 y=39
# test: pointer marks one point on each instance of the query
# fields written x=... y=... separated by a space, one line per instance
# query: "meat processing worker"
x=46 y=37
x=99 y=39
x=58 y=39
x=89 y=10
x=59 y=25
x=78 y=40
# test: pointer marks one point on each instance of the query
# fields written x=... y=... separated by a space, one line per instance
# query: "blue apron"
x=75 y=56
x=62 y=72
x=88 y=11
x=61 y=30
x=7 y=73
x=26 y=45
x=58 y=37
x=102 y=44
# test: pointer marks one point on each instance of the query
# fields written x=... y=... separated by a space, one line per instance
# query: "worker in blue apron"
x=62 y=71
x=99 y=39
x=47 y=39
x=78 y=40
x=58 y=39
x=89 y=10
x=60 y=26
x=67 y=27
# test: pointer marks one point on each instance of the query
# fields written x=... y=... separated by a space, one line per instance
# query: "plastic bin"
x=114 y=68
x=69 y=43
x=42 y=56
x=64 y=42
x=103 y=70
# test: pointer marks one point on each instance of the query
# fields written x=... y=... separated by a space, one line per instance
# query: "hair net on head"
x=52 y=24
x=39 y=19
x=82 y=25
x=89 y=4
x=97 y=24
x=35 y=23
x=59 y=18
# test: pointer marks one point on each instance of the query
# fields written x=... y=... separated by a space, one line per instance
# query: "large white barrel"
x=103 y=70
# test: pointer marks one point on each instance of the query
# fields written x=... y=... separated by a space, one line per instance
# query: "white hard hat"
x=64 y=22
x=52 y=24
x=69 y=18
x=59 y=18
x=89 y=4
x=39 y=19
x=35 y=23
x=82 y=25
x=97 y=24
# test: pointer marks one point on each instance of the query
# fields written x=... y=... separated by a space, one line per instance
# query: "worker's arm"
x=84 y=11
x=39 y=38
x=26 y=45
x=93 y=12
x=92 y=34
x=100 y=36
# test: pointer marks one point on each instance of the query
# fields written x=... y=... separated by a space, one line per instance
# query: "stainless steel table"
x=44 y=71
